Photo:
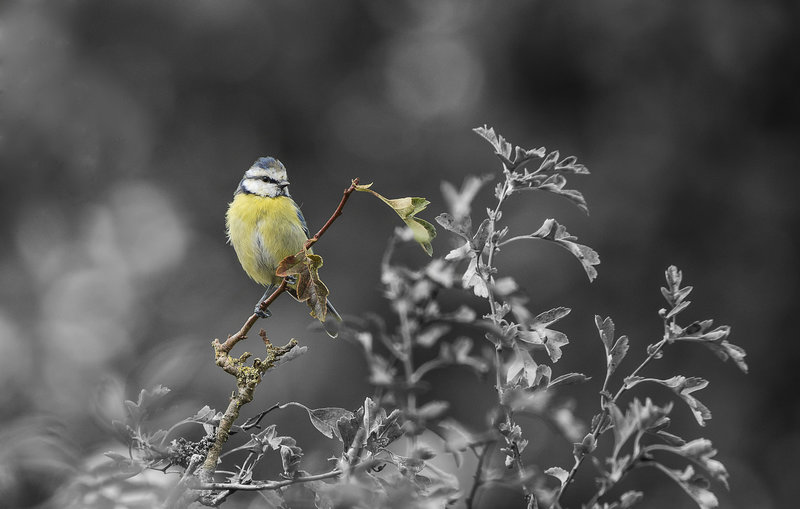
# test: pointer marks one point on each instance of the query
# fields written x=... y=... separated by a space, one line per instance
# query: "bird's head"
x=266 y=177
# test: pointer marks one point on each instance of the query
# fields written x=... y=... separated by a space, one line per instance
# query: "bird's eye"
x=265 y=179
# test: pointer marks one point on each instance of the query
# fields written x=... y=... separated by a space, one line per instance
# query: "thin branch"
x=267 y=485
x=596 y=430
x=478 y=482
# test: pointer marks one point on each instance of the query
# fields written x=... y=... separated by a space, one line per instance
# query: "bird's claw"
x=262 y=313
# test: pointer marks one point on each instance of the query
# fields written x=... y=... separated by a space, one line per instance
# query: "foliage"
x=382 y=451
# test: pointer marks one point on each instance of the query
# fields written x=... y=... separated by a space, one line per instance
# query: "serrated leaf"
x=553 y=231
x=606 y=329
x=407 y=208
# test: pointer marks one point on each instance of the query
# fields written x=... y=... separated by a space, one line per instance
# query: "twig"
x=478 y=482
x=596 y=429
x=247 y=378
x=267 y=485
x=493 y=247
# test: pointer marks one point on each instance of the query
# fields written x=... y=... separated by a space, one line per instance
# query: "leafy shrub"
x=382 y=450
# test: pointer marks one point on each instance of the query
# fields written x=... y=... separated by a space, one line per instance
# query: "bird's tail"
x=332 y=326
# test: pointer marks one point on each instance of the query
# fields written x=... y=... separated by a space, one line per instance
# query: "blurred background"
x=125 y=127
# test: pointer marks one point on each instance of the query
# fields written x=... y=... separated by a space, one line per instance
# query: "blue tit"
x=265 y=225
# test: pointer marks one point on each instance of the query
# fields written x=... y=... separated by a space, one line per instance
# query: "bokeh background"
x=125 y=127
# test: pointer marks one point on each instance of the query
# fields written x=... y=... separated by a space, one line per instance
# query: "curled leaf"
x=554 y=232
x=407 y=208
x=308 y=288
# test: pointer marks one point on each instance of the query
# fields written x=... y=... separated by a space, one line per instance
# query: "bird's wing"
x=302 y=220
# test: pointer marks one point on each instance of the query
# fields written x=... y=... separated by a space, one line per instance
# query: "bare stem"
x=476 y=484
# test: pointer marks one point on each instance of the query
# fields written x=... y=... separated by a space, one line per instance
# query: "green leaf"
x=326 y=420
x=554 y=232
x=407 y=208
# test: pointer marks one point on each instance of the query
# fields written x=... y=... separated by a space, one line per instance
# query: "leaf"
x=584 y=447
x=694 y=485
x=432 y=410
x=472 y=278
x=554 y=232
x=138 y=411
x=407 y=208
x=460 y=202
x=630 y=498
x=556 y=184
x=309 y=288
x=431 y=334
x=522 y=369
x=559 y=473
x=569 y=379
x=293 y=353
x=683 y=387
x=617 y=353
x=501 y=147
x=716 y=340
x=449 y=223
x=606 y=329
x=541 y=334
x=701 y=452
x=206 y=415
x=326 y=419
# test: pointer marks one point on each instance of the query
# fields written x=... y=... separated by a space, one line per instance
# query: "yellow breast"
x=263 y=231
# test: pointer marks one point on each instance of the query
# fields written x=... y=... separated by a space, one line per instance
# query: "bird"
x=265 y=225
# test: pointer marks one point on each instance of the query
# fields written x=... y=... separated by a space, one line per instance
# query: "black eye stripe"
x=266 y=179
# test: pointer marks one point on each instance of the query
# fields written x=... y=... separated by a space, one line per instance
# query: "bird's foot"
x=262 y=313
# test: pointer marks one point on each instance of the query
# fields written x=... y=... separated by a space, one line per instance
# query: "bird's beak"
x=283 y=184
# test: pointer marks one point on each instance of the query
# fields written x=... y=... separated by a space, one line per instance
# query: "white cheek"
x=261 y=188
